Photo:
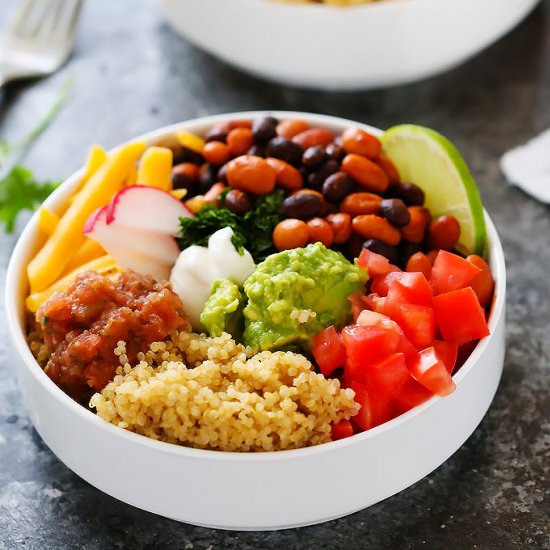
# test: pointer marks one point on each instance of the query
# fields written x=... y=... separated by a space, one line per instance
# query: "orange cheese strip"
x=47 y=221
x=89 y=251
x=56 y=253
x=104 y=264
x=155 y=168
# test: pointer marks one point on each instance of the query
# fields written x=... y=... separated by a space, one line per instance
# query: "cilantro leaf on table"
x=20 y=191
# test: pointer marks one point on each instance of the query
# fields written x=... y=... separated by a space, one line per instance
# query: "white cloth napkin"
x=528 y=167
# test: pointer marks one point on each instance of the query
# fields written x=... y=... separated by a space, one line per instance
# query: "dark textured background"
x=133 y=75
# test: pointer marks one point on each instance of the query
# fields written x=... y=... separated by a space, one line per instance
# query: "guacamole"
x=294 y=294
x=222 y=311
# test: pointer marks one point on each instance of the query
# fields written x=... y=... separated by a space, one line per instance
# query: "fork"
x=39 y=39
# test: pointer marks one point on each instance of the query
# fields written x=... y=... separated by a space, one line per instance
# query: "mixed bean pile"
x=340 y=190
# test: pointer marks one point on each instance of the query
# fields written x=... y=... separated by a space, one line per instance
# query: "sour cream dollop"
x=197 y=267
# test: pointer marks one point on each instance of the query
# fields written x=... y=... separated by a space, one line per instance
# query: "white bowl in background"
x=253 y=491
x=367 y=46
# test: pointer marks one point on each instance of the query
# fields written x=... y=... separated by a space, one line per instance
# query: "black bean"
x=353 y=247
x=314 y=156
x=405 y=250
x=336 y=152
x=305 y=172
x=317 y=178
x=409 y=193
x=303 y=206
x=187 y=155
x=222 y=174
x=180 y=180
x=217 y=133
x=395 y=211
x=337 y=186
x=208 y=176
x=238 y=201
x=257 y=151
x=263 y=129
x=284 y=149
x=379 y=247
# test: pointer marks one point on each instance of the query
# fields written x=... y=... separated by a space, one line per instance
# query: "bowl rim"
x=315 y=6
x=18 y=262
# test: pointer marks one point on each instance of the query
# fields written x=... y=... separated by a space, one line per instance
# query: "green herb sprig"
x=19 y=189
x=252 y=231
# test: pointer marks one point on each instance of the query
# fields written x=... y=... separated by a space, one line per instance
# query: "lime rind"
x=432 y=162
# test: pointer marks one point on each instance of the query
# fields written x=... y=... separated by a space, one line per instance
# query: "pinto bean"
x=371 y=226
x=356 y=140
x=415 y=230
x=341 y=226
x=287 y=176
x=251 y=174
x=366 y=173
x=361 y=203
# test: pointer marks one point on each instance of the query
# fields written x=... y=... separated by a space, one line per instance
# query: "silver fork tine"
x=31 y=18
x=20 y=16
x=67 y=19
x=49 y=22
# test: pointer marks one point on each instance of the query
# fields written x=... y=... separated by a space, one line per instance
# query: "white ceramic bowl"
x=253 y=491
x=373 y=45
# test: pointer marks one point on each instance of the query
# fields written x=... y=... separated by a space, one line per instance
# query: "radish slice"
x=147 y=208
x=146 y=252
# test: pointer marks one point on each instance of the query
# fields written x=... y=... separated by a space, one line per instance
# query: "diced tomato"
x=410 y=288
x=341 y=430
x=328 y=350
x=386 y=376
x=357 y=303
x=451 y=272
x=375 y=264
x=428 y=369
x=412 y=394
x=369 y=318
x=375 y=408
x=417 y=322
x=460 y=317
x=366 y=345
x=447 y=352
x=381 y=284
x=464 y=351
x=375 y=302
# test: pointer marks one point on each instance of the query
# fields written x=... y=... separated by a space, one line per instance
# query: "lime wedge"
x=432 y=162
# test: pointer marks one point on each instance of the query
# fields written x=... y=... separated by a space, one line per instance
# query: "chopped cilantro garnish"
x=252 y=231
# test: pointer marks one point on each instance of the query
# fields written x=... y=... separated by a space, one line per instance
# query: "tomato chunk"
x=328 y=350
x=428 y=369
x=380 y=285
x=375 y=408
x=375 y=264
x=356 y=299
x=460 y=317
x=375 y=302
x=447 y=352
x=417 y=322
x=374 y=319
x=367 y=344
x=451 y=272
x=386 y=376
x=412 y=394
x=410 y=288
x=341 y=430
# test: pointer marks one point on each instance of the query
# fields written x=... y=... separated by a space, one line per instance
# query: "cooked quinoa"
x=211 y=393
